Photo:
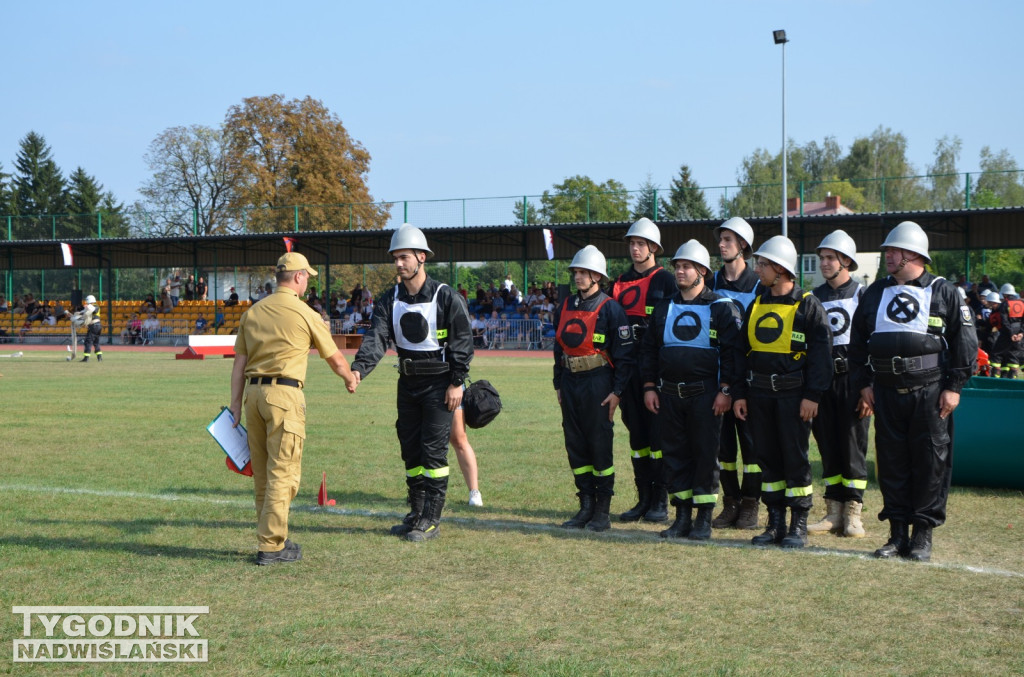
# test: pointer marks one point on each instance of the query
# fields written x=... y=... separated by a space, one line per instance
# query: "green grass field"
x=112 y=493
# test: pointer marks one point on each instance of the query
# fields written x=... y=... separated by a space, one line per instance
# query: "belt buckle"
x=404 y=366
x=775 y=388
x=897 y=365
x=679 y=390
x=839 y=365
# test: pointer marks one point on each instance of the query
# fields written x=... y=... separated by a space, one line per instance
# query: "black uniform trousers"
x=692 y=433
x=915 y=455
x=728 y=455
x=782 y=443
x=588 y=432
x=842 y=439
x=92 y=338
x=424 y=424
x=643 y=426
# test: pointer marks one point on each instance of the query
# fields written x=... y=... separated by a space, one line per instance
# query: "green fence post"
x=654 y=208
x=588 y=207
x=296 y=218
x=9 y=228
x=967 y=191
x=405 y=211
x=526 y=208
x=195 y=222
x=883 y=195
x=99 y=225
x=350 y=217
x=801 y=211
x=463 y=212
x=53 y=225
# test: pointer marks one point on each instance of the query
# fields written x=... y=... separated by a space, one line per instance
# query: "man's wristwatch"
x=458 y=381
x=725 y=391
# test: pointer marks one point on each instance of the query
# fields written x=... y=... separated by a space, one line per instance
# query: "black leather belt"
x=681 y=390
x=272 y=380
x=775 y=382
x=903 y=365
x=840 y=365
x=409 y=367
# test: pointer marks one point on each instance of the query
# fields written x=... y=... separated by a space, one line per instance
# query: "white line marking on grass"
x=634 y=535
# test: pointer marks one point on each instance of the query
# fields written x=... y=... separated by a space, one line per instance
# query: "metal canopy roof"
x=1000 y=228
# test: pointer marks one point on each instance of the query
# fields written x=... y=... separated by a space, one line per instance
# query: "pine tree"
x=685 y=199
x=38 y=188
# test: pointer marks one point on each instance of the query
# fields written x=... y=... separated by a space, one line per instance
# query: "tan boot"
x=748 y=513
x=727 y=518
x=831 y=522
x=851 y=515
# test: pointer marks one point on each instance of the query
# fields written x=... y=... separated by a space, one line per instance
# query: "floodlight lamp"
x=780 y=37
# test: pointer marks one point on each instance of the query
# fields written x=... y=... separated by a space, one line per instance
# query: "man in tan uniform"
x=271 y=352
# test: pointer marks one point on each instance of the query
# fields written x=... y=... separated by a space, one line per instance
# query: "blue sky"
x=493 y=99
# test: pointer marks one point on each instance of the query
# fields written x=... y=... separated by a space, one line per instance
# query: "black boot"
x=580 y=519
x=701 y=530
x=601 y=520
x=775 y=531
x=428 y=526
x=641 y=477
x=416 y=498
x=658 y=512
x=921 y=544
x=899 y=541
x=797 y=536
x=684 y=522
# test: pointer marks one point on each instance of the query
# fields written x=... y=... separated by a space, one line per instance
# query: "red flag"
x=321 y=498
x=289 y=243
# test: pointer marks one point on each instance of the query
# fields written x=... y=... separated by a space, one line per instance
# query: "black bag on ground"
x=480 y=404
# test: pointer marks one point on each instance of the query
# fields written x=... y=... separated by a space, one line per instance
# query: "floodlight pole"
x=780 y=39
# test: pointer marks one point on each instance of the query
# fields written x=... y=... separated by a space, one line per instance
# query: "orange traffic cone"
x=321 y=498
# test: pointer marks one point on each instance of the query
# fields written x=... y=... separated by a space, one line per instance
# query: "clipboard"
x=234 y=441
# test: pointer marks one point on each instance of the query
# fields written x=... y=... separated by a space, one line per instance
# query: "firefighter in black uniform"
x=786 y=350
x=688 y=366
x=841 y=434
x=593 y=363
x=739 y=282
x=919 y=336
x=93 y=323
x=430 y=328
x=638 y=291
x=1008 y=319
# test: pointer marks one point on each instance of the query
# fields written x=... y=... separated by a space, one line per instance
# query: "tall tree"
x=646 y=201
x=883 y=155
x=760 y=180
x=6 y=193
x=38 y=188
x=532 y=215
x=82 y=199
x=194 y=182
x=947 y=190
x=686 y=200
x=299 y=153
x=1001 y=183
x=578 y=199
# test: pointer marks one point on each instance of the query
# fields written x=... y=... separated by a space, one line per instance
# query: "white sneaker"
x=475 y=499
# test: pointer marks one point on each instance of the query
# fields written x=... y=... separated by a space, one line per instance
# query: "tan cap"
x=294 y=261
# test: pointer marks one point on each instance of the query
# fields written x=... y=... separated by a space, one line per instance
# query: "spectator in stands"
x=201 y=289
x=150 y=329
x=479 y=332
x=508 y=284
x=463 y=293
x=340 y=306
x=348 y=325
x=367 y=297
x=367 y=310
x=174 y=288
x=357 y=318
x=497 y=303
x=534 y=299
x=986 y=285
x=495 y=331
x=17 y=305
x=33 y=310
x=488 y=305
x=166 y=302
x=265 y=292
x=356 y=297
x=148 y=305
x=190 y=288
x=481 y=295
x=201 y=324
x=132 y=333
x=218 y=320
x=3 y=303
x=232 y=298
